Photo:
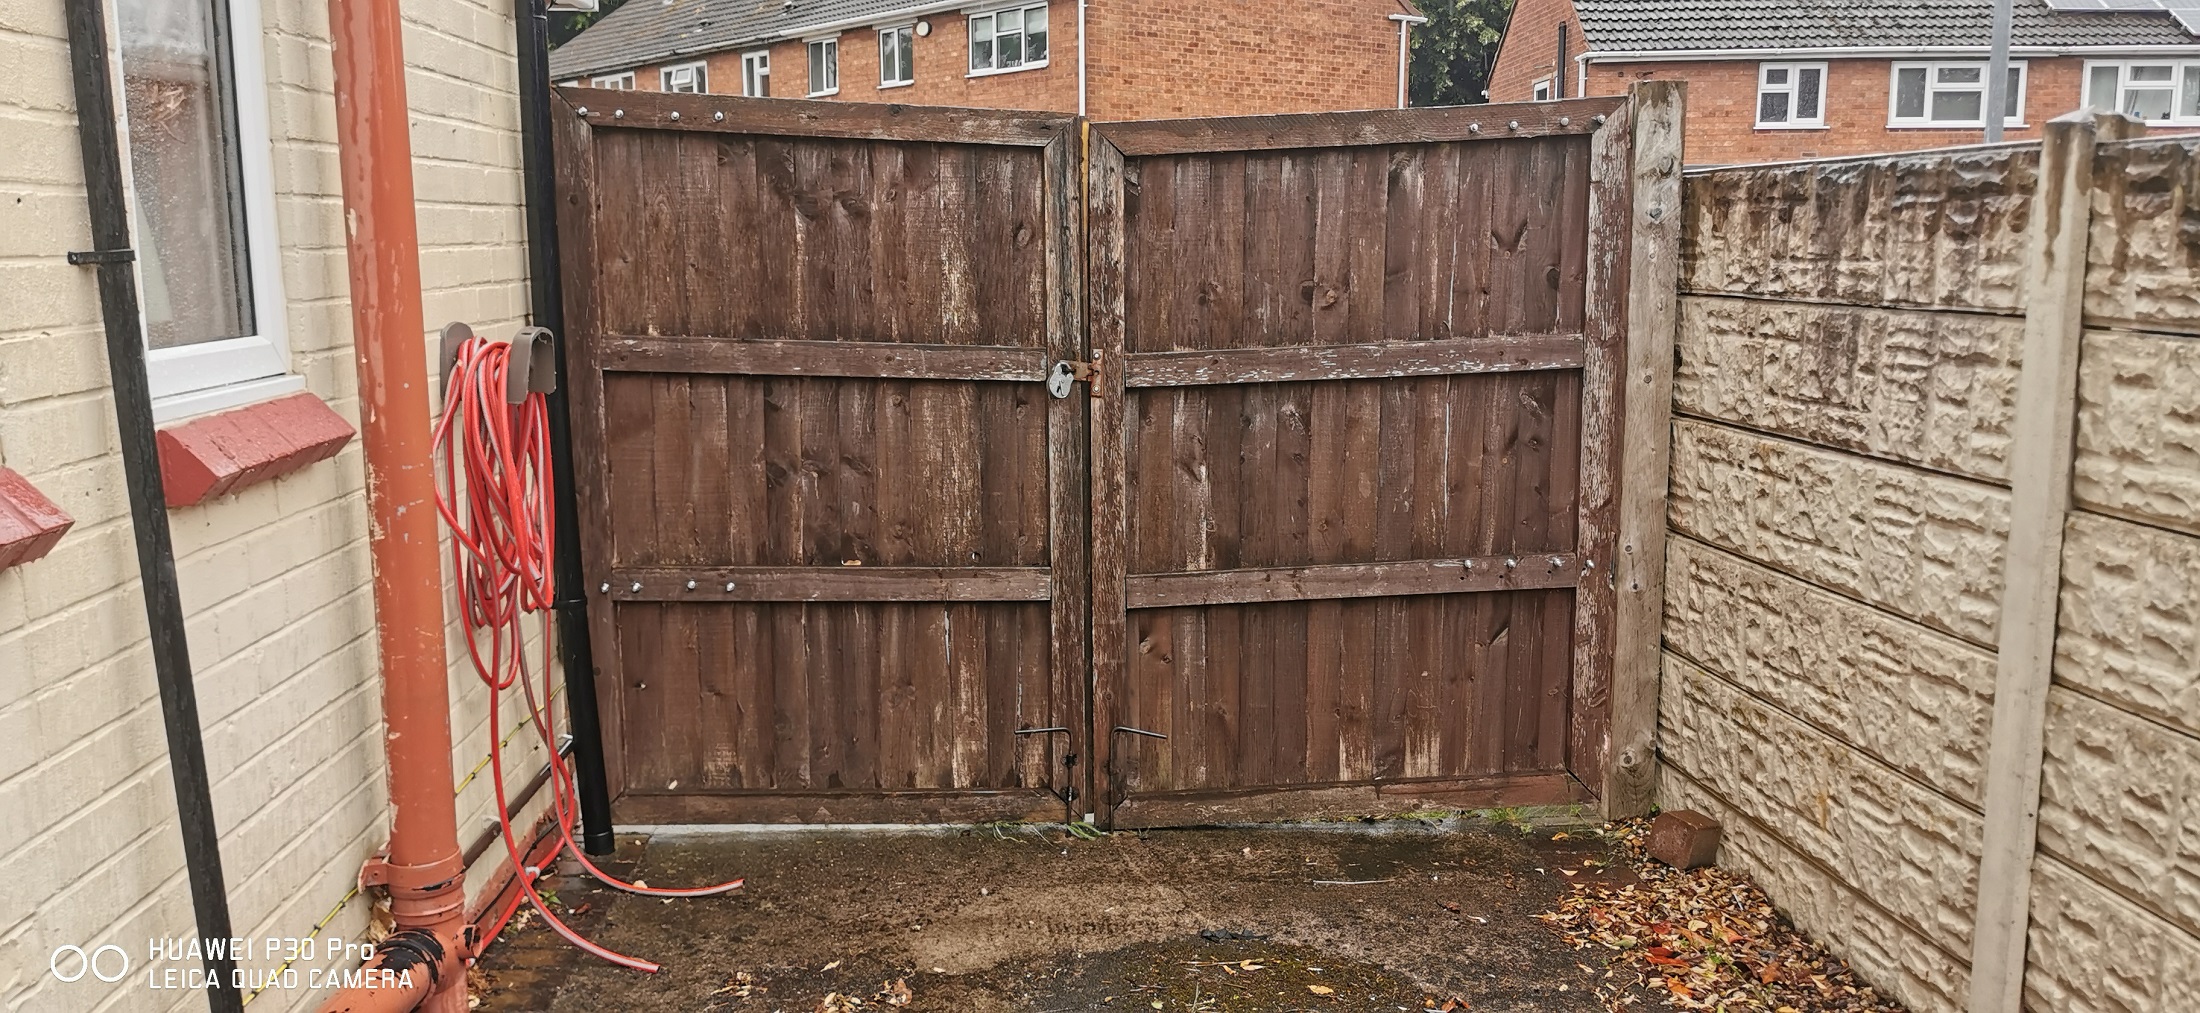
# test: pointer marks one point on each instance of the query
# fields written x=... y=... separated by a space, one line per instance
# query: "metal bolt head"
x=605 y=589
x=718 y=117
x=1474 y=128
x=1556 y=562
x=637 y=586
x=580 y=110
x=675 y=116
x=729 y=585
x=1564 y=121
x=618 y=114
x=1509 y=564
x=691 y=585
x=1598 y=119
x=1512 y=125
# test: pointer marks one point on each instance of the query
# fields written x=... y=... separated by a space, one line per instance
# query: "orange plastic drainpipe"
x=422 y=867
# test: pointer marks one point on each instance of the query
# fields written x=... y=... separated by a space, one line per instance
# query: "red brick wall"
x=1722 y=108
x=1148 y=59
x=1530 y=51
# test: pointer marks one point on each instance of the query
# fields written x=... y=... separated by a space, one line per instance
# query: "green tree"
x=1454 y=53
x=564 y=25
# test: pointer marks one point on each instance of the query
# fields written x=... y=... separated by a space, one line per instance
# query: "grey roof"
x=1633 y=25
x=648 y=31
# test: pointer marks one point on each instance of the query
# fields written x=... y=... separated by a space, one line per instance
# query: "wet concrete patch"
x=1390 y=915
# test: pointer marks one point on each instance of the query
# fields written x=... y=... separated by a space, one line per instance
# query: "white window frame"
x=756 y=68
x=1540 y=91
x=1932 y=70
x=1793 y=90
x=2179 y=71
x=911 y=30
x=209 y=376
x=702 y=76
x=622 y=81
x=831 y=44
x=575 y=83
x=993 y=12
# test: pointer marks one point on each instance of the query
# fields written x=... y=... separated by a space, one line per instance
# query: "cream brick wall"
x=275 y=579
x=1849 y=345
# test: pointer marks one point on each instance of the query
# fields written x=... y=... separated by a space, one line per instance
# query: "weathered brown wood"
x=1353 y=580
x=1347 y=801
x=956 y=806
x=1107 y=274
x=1068 y=501
x=799 y=117
x=876 y=360
x=1497 y=354
x=831 y=583
x=1139 y=138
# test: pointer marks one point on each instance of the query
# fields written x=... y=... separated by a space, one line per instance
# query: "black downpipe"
x=114 y=259
x=538 y=166
x=1558 y=76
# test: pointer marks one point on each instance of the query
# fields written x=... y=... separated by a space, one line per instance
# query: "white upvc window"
x=690 y=78
x=1791 y=96
x=756 y=74
x=202 y=204
x=575 y=83
x=1949 y=94
x=824 y=67
x=1542 y=90
x=2157 y=91
x=1008 y=40
x=617 y=82
x=897 y=63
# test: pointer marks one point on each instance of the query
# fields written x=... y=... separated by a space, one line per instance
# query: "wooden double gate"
x=958 y=465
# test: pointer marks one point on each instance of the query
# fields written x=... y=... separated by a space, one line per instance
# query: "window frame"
x=909 y=29
x=2180 y=68
x=1541 y=90
x=756 y=67
x=621 y=81
x=1932 y=70
x=702 y=77
x=970 y=20
x=209 y=376
x=1793 y=89
x=810 y=47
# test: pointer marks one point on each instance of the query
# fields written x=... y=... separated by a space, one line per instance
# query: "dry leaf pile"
x=1705 y=939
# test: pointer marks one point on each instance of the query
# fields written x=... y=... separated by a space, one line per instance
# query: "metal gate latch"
x=1065 y=373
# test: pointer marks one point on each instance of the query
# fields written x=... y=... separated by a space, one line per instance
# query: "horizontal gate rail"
x=831 y=583
x=1137 y=138
x=864 y=121
x=1354 y=580
x=882 y=360
x=1498 y=354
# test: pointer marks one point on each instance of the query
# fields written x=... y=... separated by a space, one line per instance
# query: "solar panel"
x=2187 y=12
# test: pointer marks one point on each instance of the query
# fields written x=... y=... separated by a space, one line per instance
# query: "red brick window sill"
x=30 y=524
x=219 y=454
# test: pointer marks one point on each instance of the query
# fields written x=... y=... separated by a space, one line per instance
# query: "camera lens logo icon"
x=70 y=963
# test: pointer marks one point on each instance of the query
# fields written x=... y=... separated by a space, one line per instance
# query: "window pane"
x=1961 y=75
x=2147 y=103
x=189 y=180
x=1008 y=47
x=1909 y=93
x=981 y=43
x=1958 y=106
x=2188 y=99
x=2154 y=72
x=1772 y=107
x=1806 y=93
x=817 y=67
x=1008 y=23
x=1776 y=75
x=832 y=66
x=1035 y=35
x=2100 y=87
x=2012 y=105
x=906 y=62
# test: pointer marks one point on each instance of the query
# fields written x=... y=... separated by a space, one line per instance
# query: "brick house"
x=1139 y=59
x=1772 y=80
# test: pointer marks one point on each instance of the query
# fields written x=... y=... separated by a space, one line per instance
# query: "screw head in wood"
x=1474 y=128
x=1512 y=125
x=1556 y=562
x=605 y=589
x=580 y=110
x=637 y=586
x=691 y=585
x=718 y=117
x=1598 y=119
x=618 y=114
x=675 y=116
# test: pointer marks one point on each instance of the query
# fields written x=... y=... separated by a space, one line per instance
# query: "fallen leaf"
x=834 y=966
x=896 y=993
x=1321 y=989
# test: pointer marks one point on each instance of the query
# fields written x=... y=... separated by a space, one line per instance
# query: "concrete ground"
x=1398 y=914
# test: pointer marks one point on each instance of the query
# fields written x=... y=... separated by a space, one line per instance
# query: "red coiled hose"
x=503 y=530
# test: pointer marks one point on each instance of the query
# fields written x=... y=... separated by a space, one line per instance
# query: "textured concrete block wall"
x=275 y=578
x=1849 y=347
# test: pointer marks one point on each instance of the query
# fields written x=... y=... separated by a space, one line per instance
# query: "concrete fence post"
x=2041 y=447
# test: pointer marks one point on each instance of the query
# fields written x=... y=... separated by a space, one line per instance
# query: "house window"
x=1543 y=90
x=1008 y=40
x=897 y=64
x=824 y=67
x=1791 y=95
x=202 y=203
x=619 y=82
x=1949 y=95
x=687 y=77
x=756 y=74
x=2155 y=91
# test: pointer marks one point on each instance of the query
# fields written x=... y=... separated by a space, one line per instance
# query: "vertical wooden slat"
x=1067 y=496
x=1104 y=308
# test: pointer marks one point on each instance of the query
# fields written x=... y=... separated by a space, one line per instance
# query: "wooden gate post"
x=2041 y=447
x=1650 y=252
